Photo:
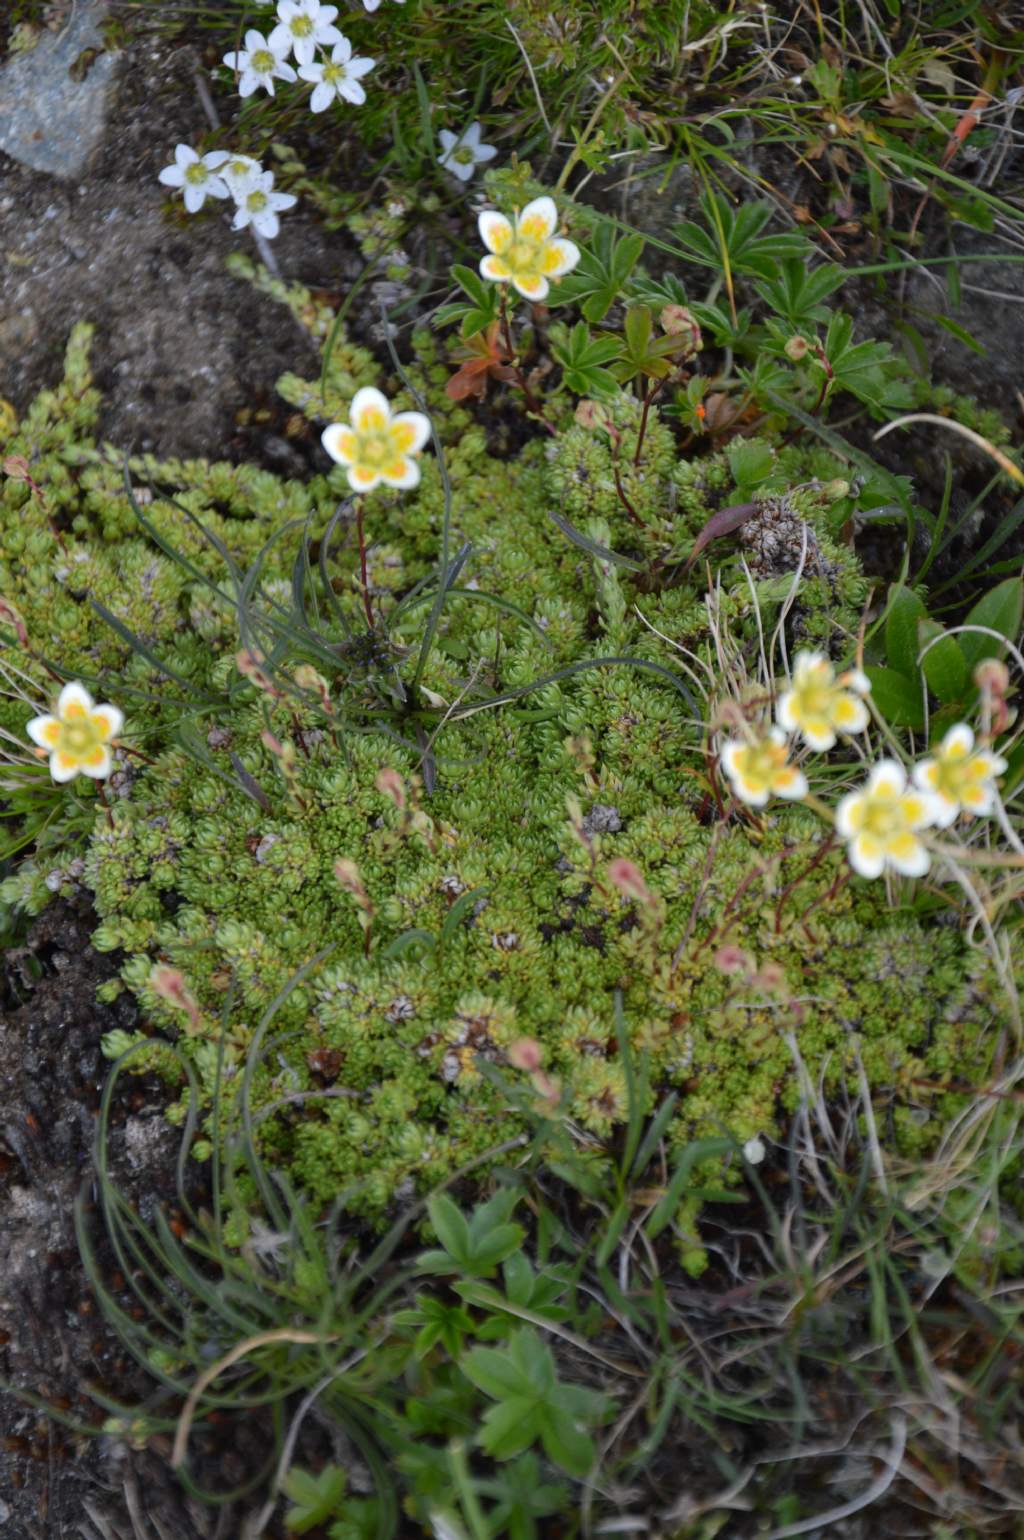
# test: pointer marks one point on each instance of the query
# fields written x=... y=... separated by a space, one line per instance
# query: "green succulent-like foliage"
x=487 y=911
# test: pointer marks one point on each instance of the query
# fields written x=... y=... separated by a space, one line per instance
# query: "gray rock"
x=49 y=119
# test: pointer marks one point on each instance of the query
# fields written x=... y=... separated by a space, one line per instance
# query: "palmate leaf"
x=602 y=272
x=867 y=370
x=798 y=295
x=480 y=307
x=583 y=359
x=739 y=232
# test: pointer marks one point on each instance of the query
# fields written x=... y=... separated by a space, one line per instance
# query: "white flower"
x=337 y=76
x=754 y=1151
x=377 y=446
x=196 y=175
x=77 y=736
x=464 y=152
x=961 y=778
x=259 y=206
x=371 y=5
x=817 y=703
x=527 y=253
x=304 y=26
x=259 y=63
x=881 y=822
x=240 y=172
x=761 y=769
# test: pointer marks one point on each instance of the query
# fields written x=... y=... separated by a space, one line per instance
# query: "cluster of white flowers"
x=221 y=175
x=305 y=29
x=881 y=822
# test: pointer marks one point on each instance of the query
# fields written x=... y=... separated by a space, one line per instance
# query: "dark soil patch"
x=182 y=347
x=54 y=1342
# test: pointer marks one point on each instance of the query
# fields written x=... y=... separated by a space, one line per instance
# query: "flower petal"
x=73 y=701
x=530 y=287
x=866 y=855
x=108 y=719
x=559 y=257
x=790 y=782
x=340 y=442
x=403 y=473
x=907 y=854
x=850 y=813
x=495 y=230
x=850 y=714
x=888 y=778
x=370 y=410
x=63 y=767
x=44 y=730
x=495 y=268
x=97 y=764
x=538 y=220
x=958 y=742
x=409 y=432
x=363 y=478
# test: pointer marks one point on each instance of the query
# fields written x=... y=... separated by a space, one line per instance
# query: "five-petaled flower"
x=462 y=153
x=240 y=172
x=881 y=823
x=199 y=176
x=762 y=769
x=526 y=253
x=304 y=26
x=259 y=205
x=960 y=777
x=818 y=704
x=260 y=63
x=77 y=736
x=337 y=77
x=377 y=446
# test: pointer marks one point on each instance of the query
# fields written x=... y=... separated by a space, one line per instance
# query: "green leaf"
x=567 y=1445
x=943 y=664
x=450 y=1226
x=602 y=272
x=583 y=358
x=493 y=1371
x=751 y=462
x=897 y=697
x=999 y=610
x=906 y=611
x=483 y=307
x=510 y=1427
x=315 y=1498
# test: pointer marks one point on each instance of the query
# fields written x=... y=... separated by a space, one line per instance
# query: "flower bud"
x=797 y=348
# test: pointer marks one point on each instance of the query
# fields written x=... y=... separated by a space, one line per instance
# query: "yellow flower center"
x=301 y=26
x=524 y=257
x=196 y=173
x=761 y=762
x=375 y=449
x=263 y=61
x=957 y=772
x=333 y=73
x=80 y=737
x=257 y=200
x=883 y=817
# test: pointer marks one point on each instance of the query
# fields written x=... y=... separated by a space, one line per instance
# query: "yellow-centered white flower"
x=818 y=705
x=960 y=777
x=377 y=446
x=527 y=253
x=881 y=823
x=77 y=736
x=762 y=769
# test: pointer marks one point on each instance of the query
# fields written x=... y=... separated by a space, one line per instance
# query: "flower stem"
x=532 y=404
x=364 y=580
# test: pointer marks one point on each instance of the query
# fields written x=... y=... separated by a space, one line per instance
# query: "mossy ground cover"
x=428 y=863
